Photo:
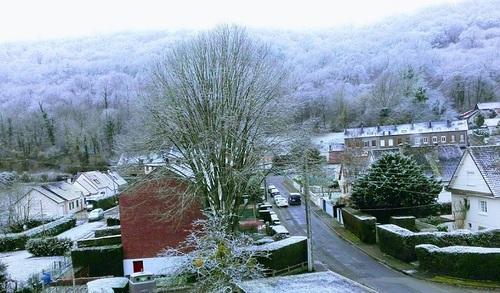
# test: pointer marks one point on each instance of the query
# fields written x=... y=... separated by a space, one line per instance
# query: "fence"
x=288 y=271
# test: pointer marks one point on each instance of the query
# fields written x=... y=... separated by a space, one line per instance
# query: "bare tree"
x=213 y=99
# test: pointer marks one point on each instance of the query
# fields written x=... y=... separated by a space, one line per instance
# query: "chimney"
x=430 y=125
x=448 y=122
x=362 y=128
x=412 y=126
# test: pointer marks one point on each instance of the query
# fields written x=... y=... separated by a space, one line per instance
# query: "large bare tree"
x=213 y=99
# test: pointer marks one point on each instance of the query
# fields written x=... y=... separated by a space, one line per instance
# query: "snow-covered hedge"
x=100 y=241
x=285 y=253
x=400 y=243
x=17 y=241
x=50 y=246
x=360 y=224
x=460 y=261
x=108 y=231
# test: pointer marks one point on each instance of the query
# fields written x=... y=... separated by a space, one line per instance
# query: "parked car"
x=96 y=214
x=294 y=199
x=274 y=191
x=282 y=203
x=277 y=197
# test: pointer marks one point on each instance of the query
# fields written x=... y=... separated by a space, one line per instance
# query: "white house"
x=96 y=183
x=57 y=198
x=475 y=189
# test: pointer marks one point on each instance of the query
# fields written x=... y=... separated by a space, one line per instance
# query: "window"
x=462 y=138
x=425 y=140
x=366 y=143
x=452 y=138
x=434 y=139
x=374 y=143
x=483 y=207
x=470 y=178
x=391 y=142
x=382 y=143
x=443 y=139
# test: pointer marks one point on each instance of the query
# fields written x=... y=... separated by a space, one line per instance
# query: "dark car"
x=294 y=199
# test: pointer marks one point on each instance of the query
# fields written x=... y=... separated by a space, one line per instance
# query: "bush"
x=49 y=246
x=3 y=277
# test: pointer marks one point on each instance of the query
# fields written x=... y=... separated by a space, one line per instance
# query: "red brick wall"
x=145 y=228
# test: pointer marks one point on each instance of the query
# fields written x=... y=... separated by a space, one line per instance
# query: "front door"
x=138 y=266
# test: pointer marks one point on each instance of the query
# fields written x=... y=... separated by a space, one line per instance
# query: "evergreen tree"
x=394 y=182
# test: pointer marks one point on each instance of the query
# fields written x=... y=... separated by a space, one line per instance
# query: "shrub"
x=3 y=277
x=49 y=246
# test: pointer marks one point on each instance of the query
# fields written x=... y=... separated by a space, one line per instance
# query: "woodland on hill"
x=72 y=104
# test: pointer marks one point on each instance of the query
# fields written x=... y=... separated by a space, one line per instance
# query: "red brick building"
x=151 y=219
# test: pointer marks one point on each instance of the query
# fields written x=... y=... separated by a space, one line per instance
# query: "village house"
x=475 y=189
x=57 y=198
x=412 y=134
x=96 y=183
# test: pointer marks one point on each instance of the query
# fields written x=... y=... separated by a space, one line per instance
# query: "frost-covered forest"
x=71 y=104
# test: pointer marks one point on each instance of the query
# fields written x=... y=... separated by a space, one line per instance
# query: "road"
x=341 y=257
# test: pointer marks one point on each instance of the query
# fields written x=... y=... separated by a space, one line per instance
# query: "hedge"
x=100 y=241
x=17 y=241
x=49 y=246
x=281 y=251
x=360 y=224
x=400 y=243
x=460 y=261
x=108 y=231
x=100 y=261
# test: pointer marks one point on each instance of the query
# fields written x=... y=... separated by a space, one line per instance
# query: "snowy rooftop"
x=310 y=282
x=404 y=129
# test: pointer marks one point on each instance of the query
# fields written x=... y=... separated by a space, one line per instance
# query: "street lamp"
x=310 y=264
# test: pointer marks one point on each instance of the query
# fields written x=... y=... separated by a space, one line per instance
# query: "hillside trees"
x=212 y=99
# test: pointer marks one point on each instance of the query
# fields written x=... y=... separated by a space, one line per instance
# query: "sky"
x=49 y=19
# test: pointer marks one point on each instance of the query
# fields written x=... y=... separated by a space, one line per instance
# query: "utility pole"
x=310 y=264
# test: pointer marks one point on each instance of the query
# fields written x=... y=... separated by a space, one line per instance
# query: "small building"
x=475 y=189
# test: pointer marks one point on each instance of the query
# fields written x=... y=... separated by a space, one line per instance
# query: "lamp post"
x=310 y=264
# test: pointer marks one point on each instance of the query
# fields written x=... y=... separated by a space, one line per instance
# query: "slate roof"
x=487 y=160
x=64 y=190
x=439 y=161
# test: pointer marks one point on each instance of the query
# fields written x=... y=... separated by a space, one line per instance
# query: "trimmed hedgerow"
x=49 y=246
x=17 y=241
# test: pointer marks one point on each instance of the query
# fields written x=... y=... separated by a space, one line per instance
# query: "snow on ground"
x=83 y=230
x=21 y=264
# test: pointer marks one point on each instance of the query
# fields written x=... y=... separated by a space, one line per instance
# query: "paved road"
x=339 y=256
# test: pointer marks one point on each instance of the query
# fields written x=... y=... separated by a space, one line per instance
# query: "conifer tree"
x=395 y=182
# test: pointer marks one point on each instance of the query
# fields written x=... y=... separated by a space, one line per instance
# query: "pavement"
x=410 y=269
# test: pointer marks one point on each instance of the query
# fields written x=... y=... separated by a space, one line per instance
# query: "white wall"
x=155 y=265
